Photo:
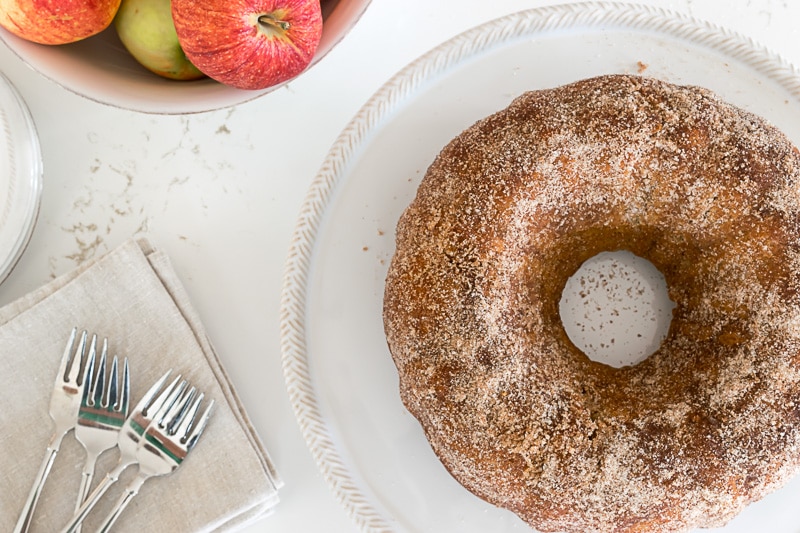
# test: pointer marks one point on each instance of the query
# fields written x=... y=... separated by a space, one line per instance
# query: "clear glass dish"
x=20 y=177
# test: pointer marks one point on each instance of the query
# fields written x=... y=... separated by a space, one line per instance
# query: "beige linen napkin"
x=133 y=297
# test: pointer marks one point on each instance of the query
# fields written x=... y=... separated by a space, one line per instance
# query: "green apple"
x=146 y=29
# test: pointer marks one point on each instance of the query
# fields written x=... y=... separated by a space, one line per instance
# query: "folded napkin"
x=133 y=297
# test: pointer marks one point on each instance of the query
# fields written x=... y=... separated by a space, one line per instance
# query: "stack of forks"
x=93 y=400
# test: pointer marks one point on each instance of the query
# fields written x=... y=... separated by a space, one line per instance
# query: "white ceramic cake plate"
x=20 y=176
x=340 y=377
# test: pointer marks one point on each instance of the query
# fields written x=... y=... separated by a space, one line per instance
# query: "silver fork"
x=65 y=402
x=104 y=408
x=128 y=441
x=174 y=432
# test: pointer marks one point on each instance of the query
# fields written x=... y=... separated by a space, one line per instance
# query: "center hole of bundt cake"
x=616 y=308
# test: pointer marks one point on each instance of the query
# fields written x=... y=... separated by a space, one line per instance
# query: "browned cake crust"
x=508 y=211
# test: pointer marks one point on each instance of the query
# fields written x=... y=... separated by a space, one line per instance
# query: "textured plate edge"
x=437 y=61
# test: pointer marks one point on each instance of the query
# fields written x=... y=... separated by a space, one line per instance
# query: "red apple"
x=249 y=44
x=56 y=21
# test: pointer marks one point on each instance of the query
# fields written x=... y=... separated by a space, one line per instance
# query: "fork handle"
x=130 y=491
x=26 y=517
x=80 y=514
x=87 y=475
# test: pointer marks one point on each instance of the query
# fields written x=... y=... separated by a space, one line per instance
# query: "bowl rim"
x=216 y=95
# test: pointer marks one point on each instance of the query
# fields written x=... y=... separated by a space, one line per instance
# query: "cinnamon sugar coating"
x=509 y=210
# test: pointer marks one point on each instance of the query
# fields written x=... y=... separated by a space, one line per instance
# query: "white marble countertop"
x=220 y=193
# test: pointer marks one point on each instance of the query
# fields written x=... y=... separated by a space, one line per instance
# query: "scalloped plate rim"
x=372 y=114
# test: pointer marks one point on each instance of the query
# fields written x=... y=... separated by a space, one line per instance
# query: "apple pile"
x=248 y=44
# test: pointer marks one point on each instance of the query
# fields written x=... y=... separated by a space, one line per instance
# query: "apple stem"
x=272 y=21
